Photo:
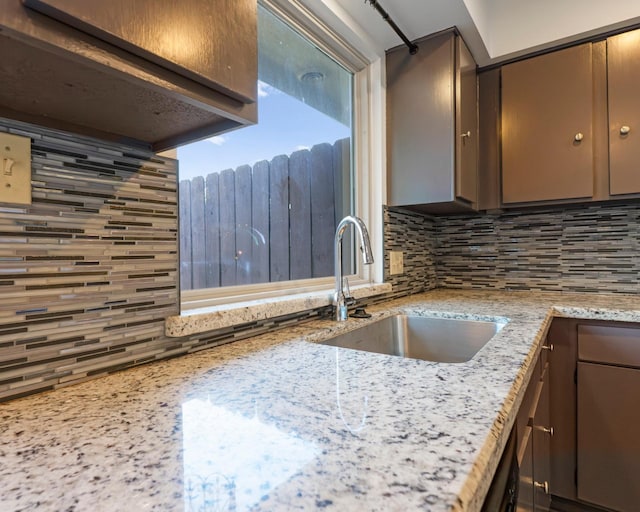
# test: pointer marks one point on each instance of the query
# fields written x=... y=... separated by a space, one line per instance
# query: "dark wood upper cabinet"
x=623 y=74
x=159 y=77
x=207 y=41
x=547 y=135
x=432 y=135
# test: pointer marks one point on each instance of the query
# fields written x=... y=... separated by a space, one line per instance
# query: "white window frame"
x=369 y=155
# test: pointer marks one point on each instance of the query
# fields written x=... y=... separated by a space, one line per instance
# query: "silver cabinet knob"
x=624 y=130
x=578 y=137
x=543 y=486
x=548 y=347
x=547 y=430
x=466 y=134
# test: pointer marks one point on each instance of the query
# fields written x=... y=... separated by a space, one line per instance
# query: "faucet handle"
x=348 y=299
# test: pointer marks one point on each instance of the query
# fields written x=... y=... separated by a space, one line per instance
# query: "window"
x=259 y=206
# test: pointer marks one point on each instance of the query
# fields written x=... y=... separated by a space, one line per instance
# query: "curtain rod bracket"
x=413 y=48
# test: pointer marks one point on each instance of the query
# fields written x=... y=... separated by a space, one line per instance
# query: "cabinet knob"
x=548 y=347
x=624 y=130
x=578 y=136
x=543 y=486
x=466 y=134
x=547 y=430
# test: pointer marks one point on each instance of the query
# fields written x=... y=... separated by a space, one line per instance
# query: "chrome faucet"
x=340 y=301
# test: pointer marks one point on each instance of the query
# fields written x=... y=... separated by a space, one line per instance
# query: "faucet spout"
x=340 y=301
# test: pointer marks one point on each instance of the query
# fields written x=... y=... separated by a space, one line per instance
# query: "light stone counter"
x=277 y=423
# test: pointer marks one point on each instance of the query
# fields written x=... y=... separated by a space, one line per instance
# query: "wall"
x=88 y=272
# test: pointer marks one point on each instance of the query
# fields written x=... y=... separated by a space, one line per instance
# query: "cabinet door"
x=623 y=56
x=466 y=124
x=608 y=440
x=525 y=463
x=420 y=123
x=542 y=447
x=547 y=110
x=212 y=42
x=562 y=368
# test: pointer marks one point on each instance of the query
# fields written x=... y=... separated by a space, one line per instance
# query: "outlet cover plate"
x=396 y=262
x=15 y=169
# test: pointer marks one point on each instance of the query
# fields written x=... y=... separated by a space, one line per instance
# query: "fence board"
x=243 y=224
x=184 y=213
x=279 y=218
x=212 y=230
x=300 y=214
x=322 y=210
x=260 y=223
x=198 y=261
x=227 y=228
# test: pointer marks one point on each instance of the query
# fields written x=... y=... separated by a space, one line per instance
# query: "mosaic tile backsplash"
x=88 y=272
x=590 y=249
x=415 y=235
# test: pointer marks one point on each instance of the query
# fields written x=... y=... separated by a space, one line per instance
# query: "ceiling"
x=494 y=30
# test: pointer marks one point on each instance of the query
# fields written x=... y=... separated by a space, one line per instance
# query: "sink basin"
x=444 y=340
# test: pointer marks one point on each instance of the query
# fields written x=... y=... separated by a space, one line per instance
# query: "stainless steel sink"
x=445 y=340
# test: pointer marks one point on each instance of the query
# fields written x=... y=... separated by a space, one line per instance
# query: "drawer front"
x=529 y=402
x=609 y=345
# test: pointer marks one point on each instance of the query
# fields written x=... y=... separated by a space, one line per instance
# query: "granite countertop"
x=279 y=423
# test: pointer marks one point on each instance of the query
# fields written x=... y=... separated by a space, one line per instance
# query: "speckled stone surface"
x=217 y=317
x=279 y=423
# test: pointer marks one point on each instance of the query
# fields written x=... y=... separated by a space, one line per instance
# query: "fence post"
x=212 y=230
x=260 y=223
x=322 y=210
x=300 y=214
x=243 y=224
x=227 y=228
x=279 y=219
x=198 y=262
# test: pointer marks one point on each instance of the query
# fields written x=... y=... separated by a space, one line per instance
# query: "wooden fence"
x=274 y=221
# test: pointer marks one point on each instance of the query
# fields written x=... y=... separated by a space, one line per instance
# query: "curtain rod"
x=413 y=49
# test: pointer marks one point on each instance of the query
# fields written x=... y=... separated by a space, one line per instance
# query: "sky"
x=285 y=125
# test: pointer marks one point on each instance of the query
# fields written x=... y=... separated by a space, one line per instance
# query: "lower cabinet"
x=541 y=434
x=595 y=408
x=534 y=447
x=608 y=408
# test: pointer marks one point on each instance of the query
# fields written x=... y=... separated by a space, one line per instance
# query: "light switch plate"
x=15 y=169
x=396 y=262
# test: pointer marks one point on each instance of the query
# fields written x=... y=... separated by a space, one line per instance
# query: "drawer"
x=609 y=345
x=545 y=348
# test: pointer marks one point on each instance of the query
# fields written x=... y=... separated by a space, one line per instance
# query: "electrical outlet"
x=396 y=263
x=15 y=169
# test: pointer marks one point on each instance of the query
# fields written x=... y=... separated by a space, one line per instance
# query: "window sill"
x=217 y=317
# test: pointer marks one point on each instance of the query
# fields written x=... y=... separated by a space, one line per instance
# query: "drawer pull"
x=544 y=486
x=578 y=137
x=548 y=347
x=624 y=130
